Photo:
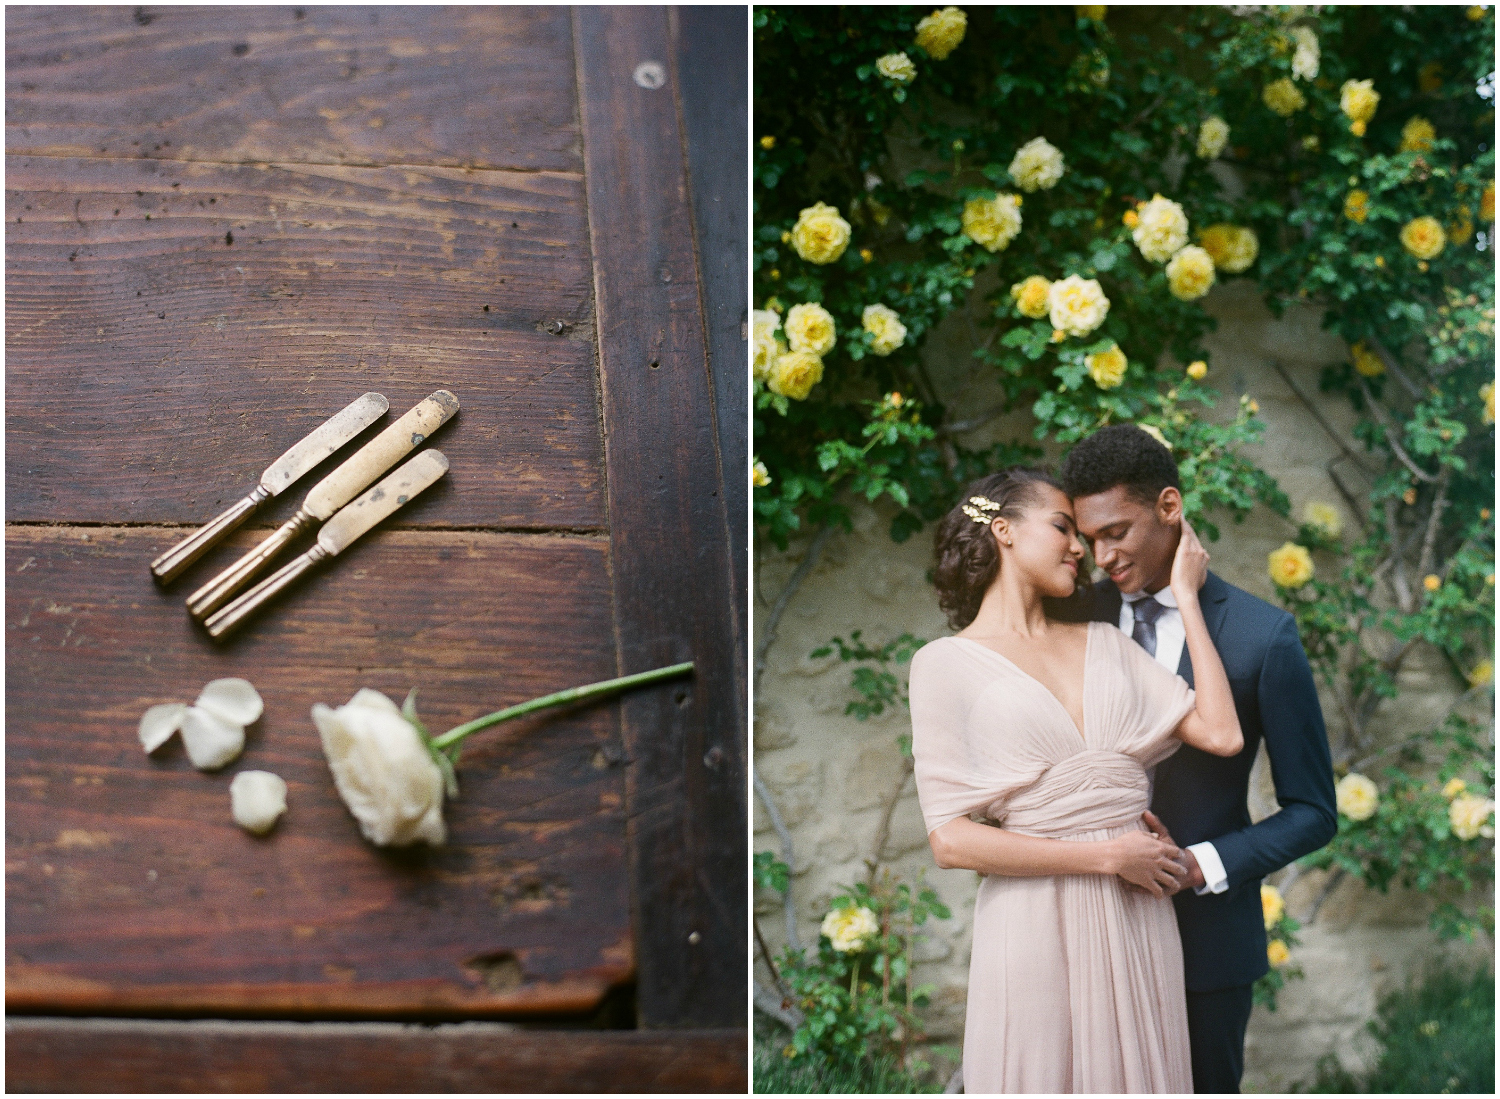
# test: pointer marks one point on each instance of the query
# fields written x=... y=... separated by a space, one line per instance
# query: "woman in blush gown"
x=1049 y=730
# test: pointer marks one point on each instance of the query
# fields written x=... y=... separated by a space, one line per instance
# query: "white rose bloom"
x=1077 y=306
x=897 y=67
x=383 y=770
x=257 y=799
x=1037 y=165
x=1161 y=231
x=763 y=326
x=1213 y=135
x=1307 y=55
x=213 y=728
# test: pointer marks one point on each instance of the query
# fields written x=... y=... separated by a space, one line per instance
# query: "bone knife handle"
x=235 y=615
x=170 y=565
x=213 y=595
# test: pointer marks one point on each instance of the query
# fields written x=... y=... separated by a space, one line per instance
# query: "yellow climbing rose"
x=1283 y=97
x=1277 y=953
x=1357 y=206
x=1233 y=247
x=1357 y=797
x=1190 y=273
x=1031 y=294
x=1417 y=135
x=1423 y=237
x=941 y=32
x=1197 y=370
x=1291 y=566
x=1272 y=906
x=1358 y=99
x=993 y=222
x=1365 y=360
x=795 y=374
x=1107 y=368
x=1323 y=516
x=1468 y=816
x=809 y=327
x=820 y=235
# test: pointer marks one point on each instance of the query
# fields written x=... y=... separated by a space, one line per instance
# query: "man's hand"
x=1194 y=878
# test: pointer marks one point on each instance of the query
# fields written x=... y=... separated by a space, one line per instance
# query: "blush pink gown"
x=1075 y=982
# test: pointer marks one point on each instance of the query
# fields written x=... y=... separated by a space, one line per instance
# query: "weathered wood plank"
x=482 y=87
x=153 y=370
x=129 y=889
x=669 y=542
x=58 y=1055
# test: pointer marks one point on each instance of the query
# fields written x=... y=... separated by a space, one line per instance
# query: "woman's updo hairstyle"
x=967 y=558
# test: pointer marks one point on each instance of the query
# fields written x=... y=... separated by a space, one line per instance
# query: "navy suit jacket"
x=1200 y=797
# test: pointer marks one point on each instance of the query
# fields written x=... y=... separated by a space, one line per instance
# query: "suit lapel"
x=1214 y=601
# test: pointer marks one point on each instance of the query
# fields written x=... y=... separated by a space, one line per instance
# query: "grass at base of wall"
x=1438 y=1038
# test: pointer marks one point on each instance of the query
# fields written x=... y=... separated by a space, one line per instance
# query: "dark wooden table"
x=221 y=226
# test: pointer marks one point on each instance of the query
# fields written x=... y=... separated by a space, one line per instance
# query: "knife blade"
x=313 y=448
x=329 y=495
x=340 y=532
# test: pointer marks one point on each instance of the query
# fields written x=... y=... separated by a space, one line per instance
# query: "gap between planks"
x=292 y=165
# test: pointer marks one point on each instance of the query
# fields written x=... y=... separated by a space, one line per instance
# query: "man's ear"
x=1169 y=506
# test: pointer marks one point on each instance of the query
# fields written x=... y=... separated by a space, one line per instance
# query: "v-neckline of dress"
x=1088 y=648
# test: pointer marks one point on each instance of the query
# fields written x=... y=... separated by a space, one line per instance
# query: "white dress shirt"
x=1171 y=639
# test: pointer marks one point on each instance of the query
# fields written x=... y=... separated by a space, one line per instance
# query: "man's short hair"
x=1120 y=454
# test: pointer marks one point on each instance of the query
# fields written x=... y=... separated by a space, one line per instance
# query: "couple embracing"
x=1087 y=748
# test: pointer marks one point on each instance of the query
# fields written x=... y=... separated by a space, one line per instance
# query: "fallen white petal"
x=257 y=799
x=210 y=740
x=234 y=700
x=159 y=723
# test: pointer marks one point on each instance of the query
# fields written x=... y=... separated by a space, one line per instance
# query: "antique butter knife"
x=337 y=535
x=331 y=493
x=323 y=441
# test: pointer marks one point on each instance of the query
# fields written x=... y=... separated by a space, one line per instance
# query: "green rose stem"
x=573 y=694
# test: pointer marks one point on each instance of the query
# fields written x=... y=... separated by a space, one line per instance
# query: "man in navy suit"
x=1128 y=506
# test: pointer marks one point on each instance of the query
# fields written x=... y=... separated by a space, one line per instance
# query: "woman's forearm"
x=1214 y=725
x=965 y=845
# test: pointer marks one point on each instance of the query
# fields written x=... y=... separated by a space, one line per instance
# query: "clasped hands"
x=1152 y=863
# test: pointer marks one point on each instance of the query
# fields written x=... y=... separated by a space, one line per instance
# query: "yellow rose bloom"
x=820 y=235
x=1468 y=815
x=1031 y=296
x=1130 y=219
x=1213 y=135
x=1197 y=370
x=1365 y=360
x=1487 y=202
x=1107 y=368
x=941 y=32
x=794 y=375
x=1233 y=247
x=1190 y=273
x=1357 y=206
x=1475 y=12
x=1431 y=582
x=768 y=142
x=763 y=326
x=1091 y=11
x=1037 y=165
x=1277 y=953
x=758 y=475
x=1308 y=55
x=1291 y=566
x=1487 y=395
x=1076 y=306
x=847 y=928
x=1272 y=907
x=1417 y=135
x=993 y=223
x=1161 y=231
x=1423 y=237
x=1283 y=97
x=1461 y=230
x=1454 y=787
x=1357 y=796
x=1483 y=673
x=897 y=67
x=886 y=330
x=1323 y=516
x=810 y=328
x=1358 y=99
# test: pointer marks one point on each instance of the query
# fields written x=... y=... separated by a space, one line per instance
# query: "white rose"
x=1307 y=56
x=1037 y=165
x=257 y=799
x=383 y=770
x=213 y=728
x=1077 y=306
x=1213 y=135
x=897 y=67
x=1161 y=229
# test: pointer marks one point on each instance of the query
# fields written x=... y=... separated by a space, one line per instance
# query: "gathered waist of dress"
x=1078 y=797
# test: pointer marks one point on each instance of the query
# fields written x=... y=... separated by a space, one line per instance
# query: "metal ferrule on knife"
x=337 y=534
x=333 y=492
x=322 y=441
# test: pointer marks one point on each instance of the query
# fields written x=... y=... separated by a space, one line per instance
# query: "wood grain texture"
x=669 y=541
x=375 y=1058
x=192 y=363
x=129 y=888
x=480 y=87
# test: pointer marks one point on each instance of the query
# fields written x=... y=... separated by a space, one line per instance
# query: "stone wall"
x=832 y=774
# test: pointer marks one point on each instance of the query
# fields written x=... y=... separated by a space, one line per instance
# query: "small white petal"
x=159 y=723
x=257 y=799
x=210 y=740
x=365 y=696
x=234 y=700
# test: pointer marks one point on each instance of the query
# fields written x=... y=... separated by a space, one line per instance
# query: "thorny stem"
x=573 y=694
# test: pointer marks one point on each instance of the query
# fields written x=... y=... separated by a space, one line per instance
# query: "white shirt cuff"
x=1215 y=880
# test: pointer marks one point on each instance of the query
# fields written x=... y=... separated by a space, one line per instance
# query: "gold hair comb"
x=977 y=506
